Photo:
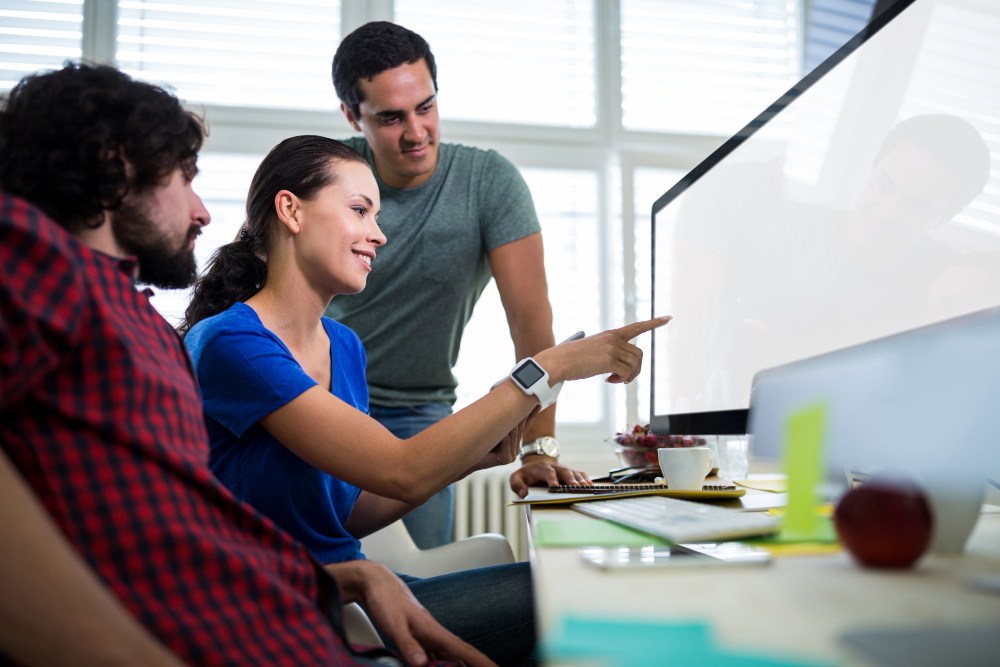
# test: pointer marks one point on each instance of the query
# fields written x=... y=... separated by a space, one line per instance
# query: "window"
x=830 y=23
x=520 y=61
x=705 y=66
x=570 y=229
x=235 y=52
x=38 y=35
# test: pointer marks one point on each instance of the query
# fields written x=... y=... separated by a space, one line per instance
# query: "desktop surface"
x=796 y=608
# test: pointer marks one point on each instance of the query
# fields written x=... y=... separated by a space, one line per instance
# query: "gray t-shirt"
x=432 y=270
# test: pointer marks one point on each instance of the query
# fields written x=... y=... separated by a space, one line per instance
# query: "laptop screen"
x=922 y=401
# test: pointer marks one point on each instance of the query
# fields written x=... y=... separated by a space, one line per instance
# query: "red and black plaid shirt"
x=101 y=415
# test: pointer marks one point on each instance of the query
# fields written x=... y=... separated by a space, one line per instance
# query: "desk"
x=797 y=606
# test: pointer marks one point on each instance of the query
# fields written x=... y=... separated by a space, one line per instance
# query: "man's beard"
x=160 y=264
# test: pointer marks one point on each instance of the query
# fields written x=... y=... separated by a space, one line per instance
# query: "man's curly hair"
x=76 y=141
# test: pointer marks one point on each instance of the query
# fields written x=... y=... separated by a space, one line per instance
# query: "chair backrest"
x=394 y=547
x=393 y=541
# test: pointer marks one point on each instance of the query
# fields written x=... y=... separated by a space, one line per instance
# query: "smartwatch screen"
x=528 y=373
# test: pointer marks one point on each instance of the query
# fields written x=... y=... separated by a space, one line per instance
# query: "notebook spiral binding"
x=618 y=488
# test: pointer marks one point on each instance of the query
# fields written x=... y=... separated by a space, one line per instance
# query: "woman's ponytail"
x=235 y=273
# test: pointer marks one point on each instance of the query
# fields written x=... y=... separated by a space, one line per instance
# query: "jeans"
x=431 y=524
x=489 y=607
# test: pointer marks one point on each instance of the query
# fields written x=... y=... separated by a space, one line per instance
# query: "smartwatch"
x=546 y=446
x=532 y=379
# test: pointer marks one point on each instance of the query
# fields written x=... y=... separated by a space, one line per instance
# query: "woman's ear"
x=288 y=209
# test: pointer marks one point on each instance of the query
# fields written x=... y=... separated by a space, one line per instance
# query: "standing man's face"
x=399 y=119
x=159 y=227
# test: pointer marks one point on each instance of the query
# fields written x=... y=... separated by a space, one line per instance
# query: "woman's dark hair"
x=303 y=165
x=372 y=49
x=67 y=135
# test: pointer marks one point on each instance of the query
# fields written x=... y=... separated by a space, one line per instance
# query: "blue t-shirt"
x=246 y=373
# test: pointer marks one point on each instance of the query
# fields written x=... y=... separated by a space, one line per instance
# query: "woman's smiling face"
x=340 y=234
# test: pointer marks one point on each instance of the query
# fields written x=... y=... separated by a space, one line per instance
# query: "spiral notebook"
x=568 y=494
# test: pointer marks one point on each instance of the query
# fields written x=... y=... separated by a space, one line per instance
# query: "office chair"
x=394 y=547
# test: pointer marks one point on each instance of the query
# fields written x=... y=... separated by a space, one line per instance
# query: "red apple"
x=885 y=523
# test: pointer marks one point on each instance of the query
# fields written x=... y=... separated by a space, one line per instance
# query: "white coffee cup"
x=685 y=468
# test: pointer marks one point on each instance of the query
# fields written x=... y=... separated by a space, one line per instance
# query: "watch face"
x=527 y=374
x=546 y=445
x=549 y=446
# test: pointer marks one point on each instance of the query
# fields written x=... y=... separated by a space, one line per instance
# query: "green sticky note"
x=823 y=532
x=584 y=532
x=805 y=432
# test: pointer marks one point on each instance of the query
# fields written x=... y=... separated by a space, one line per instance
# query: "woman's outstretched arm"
x=352 y=446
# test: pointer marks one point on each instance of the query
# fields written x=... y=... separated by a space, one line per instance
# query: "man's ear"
x=351 y=118
x=100 y=233
x=286 y=205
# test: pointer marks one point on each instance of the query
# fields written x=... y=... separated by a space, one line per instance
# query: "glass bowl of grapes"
x=637 y=448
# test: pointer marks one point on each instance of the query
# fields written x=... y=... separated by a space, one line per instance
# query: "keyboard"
x=680 y=520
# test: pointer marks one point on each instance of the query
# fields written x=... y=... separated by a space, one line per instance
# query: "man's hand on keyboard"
x=544 y=471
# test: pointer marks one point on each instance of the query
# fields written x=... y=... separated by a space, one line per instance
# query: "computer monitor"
x=864 y=202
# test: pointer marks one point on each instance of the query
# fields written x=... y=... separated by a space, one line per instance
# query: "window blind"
x=705 y=66
x=517 y=61
x=234 y=52
x=38 y=35
x=829 y=24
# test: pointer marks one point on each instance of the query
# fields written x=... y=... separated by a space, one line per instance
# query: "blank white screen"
x=805 y=238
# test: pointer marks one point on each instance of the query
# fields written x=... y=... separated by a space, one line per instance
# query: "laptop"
x=925 y=401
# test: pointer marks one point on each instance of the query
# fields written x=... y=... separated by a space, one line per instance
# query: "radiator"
x=482 y=505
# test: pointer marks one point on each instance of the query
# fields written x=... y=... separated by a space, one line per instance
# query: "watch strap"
x=532 y=379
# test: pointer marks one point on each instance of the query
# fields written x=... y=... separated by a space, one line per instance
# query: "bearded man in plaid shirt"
x=120 y=547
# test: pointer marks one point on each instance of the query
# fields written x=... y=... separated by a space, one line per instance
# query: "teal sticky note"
x=633 y=642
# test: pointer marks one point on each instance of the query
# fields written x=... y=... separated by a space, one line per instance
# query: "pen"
x=577 y=336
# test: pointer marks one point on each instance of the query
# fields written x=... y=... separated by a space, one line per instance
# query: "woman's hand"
x=607 y=352
x=397 y=613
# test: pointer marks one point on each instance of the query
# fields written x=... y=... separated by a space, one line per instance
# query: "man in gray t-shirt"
x=454 y=216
